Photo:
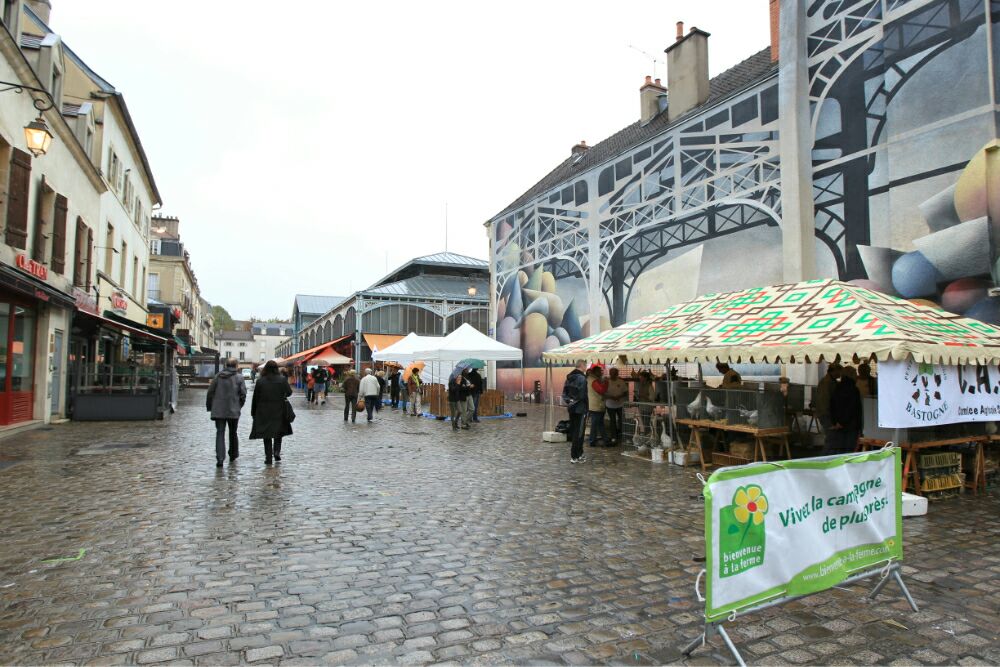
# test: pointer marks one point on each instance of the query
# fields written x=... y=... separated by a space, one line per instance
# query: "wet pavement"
x=404 y=542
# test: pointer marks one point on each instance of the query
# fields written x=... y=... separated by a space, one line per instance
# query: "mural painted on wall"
x=899 y=202
x=905 y=184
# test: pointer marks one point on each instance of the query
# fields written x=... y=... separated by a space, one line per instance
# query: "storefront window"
x=22 y=344
x=4 y=328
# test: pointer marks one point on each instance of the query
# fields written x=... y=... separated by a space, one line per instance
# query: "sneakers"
x=582 y=459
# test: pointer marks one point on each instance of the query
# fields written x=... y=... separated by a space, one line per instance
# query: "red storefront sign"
x=32 y=267
x=119 y=302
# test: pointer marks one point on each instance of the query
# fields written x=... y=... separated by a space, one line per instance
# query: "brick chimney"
x=649 y=99
x=687 y=71
x=775 y=31
x=580 y=148
x=42 y=9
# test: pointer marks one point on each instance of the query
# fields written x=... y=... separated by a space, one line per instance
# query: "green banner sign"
x=776 y=530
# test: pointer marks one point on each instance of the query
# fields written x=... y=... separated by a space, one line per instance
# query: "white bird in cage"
x=750 y=416
x=714 y=411
x=694 y=407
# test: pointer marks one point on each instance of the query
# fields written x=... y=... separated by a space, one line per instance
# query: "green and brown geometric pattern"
x=801 y=322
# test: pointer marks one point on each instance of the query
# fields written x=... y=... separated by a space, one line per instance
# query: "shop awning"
x=32 y=287
x=181 y=345
x=377 y=342
x=803 y=322
x=121 y=326
x=306 y=355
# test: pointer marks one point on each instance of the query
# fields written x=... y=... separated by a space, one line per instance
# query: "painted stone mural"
x=905 y=184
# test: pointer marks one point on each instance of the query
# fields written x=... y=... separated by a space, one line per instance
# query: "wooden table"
x=911 y=471
x=759 y=436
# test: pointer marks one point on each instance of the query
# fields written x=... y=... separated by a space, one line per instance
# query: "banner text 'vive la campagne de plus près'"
x=775 y=530
x=912 y=394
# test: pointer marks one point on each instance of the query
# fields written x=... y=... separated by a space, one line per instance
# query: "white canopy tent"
x=466 y=342
x=402 y=351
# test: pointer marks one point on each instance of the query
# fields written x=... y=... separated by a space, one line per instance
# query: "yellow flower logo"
x=750 y=501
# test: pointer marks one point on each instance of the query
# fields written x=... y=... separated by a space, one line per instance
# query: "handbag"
x=360 y=405
x=289 y=412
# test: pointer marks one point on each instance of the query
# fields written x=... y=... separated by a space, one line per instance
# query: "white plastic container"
x=685 y=458
x=914 y=505
x=553 y=436
x=656 y=455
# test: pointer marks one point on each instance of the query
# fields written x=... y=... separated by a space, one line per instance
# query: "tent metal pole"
x=550 y=405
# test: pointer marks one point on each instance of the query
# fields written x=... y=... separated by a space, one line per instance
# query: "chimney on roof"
x=580 y=148
x=650 y=95
x=687 y=71
x=775 y=31
x=42 y=9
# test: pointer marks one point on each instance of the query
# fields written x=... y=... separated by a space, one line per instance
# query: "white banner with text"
x=912 y=394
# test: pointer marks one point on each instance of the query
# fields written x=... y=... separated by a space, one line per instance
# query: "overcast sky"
x=306 y=145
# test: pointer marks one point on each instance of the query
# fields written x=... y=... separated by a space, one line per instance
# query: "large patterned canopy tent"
x=803 y=322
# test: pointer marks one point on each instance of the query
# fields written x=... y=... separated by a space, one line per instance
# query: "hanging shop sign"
x=32 y=267
x=155 y=320
x=798 y=527
x=912 y=394
x=119 y=303
x=85 y=301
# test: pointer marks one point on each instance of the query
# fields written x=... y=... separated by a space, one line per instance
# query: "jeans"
x=615 y=417
x=394 y=397
x=271 y=447
x=475 y=409
x=350 y=406
x=220 y=439
x=597 y=426
x=370 y=402
x=577 y=424
x=456 y=413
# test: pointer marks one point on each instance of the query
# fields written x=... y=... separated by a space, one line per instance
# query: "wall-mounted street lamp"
x=471 y=290
x=36 y=133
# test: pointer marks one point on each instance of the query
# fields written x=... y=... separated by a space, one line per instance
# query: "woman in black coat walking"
x=267 y=408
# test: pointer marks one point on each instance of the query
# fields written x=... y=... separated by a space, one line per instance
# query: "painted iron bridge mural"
x=905 y=182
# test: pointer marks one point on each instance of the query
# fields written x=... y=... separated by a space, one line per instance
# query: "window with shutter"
x=17 y=201
x=79 y=257
x=59 y=235
x=90 y=255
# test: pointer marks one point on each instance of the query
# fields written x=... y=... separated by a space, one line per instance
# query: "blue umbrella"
x=472 y=363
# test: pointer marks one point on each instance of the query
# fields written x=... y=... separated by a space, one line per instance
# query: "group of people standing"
x=590 y=395
x=837 y=405
x=464 y=391
x=368 y=392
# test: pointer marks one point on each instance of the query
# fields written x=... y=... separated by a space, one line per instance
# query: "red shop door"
x=17 y=363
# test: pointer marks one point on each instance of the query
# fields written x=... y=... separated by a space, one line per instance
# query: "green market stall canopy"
x=796 y=323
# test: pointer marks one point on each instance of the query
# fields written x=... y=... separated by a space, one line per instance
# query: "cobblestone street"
x=406 y=542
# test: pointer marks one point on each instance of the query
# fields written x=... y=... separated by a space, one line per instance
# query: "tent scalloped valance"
x=806 y=322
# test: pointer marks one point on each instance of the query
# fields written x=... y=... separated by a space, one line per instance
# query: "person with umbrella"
x=459 y=389
x=478 y=384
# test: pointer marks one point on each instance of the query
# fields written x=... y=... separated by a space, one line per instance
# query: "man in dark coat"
x=846 y=417
x=478 y=385
x=270 y=420
x=350 y=386
x=394 y=380
x=574 y=396
x=226 y=395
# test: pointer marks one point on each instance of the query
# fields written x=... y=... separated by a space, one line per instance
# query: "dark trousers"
x=370 y=402
x=220 y=439
x=577 y=424
x=475 y=409
x=840 y=441
x=272 y=447
x=394 y=397
x=378 y=403
x=615 y=426
x=597 y=426
x=350 y=406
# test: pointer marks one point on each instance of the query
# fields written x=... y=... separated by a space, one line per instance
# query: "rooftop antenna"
x=654 y=60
